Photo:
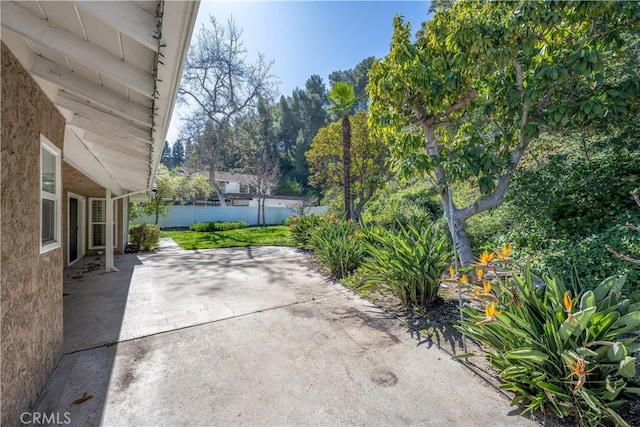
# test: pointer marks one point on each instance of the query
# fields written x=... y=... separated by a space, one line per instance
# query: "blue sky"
x=311 y=37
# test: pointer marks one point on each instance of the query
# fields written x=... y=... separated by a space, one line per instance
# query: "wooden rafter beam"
x=25 y=23
x=101 y=129
x=65 y=100
x=128 y=18
x=74 y=84
x=122 y=151
x=125 y=145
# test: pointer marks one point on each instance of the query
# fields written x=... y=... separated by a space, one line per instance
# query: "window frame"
x=91 y=222
x=51 y=148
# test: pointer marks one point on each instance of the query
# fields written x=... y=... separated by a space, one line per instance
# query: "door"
x=73 y=229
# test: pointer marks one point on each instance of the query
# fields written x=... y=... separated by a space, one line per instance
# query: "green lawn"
x=274 y=235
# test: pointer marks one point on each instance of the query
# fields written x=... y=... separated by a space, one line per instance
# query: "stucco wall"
x=31 y=284
x=74 y=181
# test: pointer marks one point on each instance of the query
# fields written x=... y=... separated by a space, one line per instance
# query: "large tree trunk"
x=346 y=164
x=456 y=224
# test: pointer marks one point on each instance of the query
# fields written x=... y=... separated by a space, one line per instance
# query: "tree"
x=172 y=185
x=359 y=78
x=177 y=154
x=342 y=99
x=167 y=158
x=165 y=186
x=303 y=206
x=266 y=174
x=369 y=166
x=464 y=101
x=220 y=84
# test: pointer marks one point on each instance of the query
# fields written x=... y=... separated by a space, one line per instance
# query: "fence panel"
x=184 y=216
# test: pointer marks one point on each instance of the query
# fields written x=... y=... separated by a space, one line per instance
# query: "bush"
x=217 y=226
x=337 y=244
x=559 y=347
x=145 y=236
x=301 y=228
x=408 y=262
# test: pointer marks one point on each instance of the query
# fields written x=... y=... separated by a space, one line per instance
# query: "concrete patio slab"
x=249 y=337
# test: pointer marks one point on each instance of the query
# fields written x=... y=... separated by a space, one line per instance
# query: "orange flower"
x=487 y=290
x=486 y=257
x=506 y=251
x=577 y=369
x=487 y=287
x=490 y=313
x=464 y=280
x=479 y=273
x=452 y=272
x=568 y=304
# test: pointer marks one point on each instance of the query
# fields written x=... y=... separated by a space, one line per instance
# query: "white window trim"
x=57 y=197
x=115 y=223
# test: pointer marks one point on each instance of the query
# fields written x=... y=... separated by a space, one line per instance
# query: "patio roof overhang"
x=112 y=68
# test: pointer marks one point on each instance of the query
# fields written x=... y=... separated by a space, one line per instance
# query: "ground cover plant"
x=276 y=235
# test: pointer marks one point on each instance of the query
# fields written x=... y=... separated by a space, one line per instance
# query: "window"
x=98 y=224
x=50 y=196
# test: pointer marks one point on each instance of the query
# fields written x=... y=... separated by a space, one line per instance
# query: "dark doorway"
x=73 y=229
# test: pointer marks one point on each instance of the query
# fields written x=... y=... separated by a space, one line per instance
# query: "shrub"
x=301 y=228
x=217 y=226
x=337 y=244
x=558 y=347
x=408 y=262
x=145 y=236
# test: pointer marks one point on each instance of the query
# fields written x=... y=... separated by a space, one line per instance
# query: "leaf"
x=616 y=352
x=527 y=354
x=86 y=396
x=576 y=324
x=628 y=367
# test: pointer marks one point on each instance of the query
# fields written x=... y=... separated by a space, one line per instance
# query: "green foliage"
x=172 y=186
x=289 y=187
x=217 y=226
x=337 y=245
x=408 y=262
x=409 y=203
x=369 y=166
x=145 y=236
x=277 y=235
x=483 y=79
x=302 y=228
x=558 y=347
x=567 y=205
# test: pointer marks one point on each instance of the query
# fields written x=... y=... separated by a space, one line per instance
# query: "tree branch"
x=623 y=257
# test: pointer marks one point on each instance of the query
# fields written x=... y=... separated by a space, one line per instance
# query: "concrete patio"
x=247 y=336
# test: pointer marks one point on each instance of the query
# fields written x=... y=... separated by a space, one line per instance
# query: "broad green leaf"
x=576 y=324
x=616 y=352
x=628 y=367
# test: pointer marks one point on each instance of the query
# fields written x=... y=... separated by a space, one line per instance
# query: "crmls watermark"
x=45 y=418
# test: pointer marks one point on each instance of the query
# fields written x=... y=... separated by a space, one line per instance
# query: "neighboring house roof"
x=112 y=69
x=240 y=178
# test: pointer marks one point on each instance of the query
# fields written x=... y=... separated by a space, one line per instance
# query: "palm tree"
x=342 y=99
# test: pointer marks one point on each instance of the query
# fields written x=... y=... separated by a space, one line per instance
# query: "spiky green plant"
x=560 y=348
x=408 y=262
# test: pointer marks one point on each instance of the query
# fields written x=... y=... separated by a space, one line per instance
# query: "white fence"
x=184 y=216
